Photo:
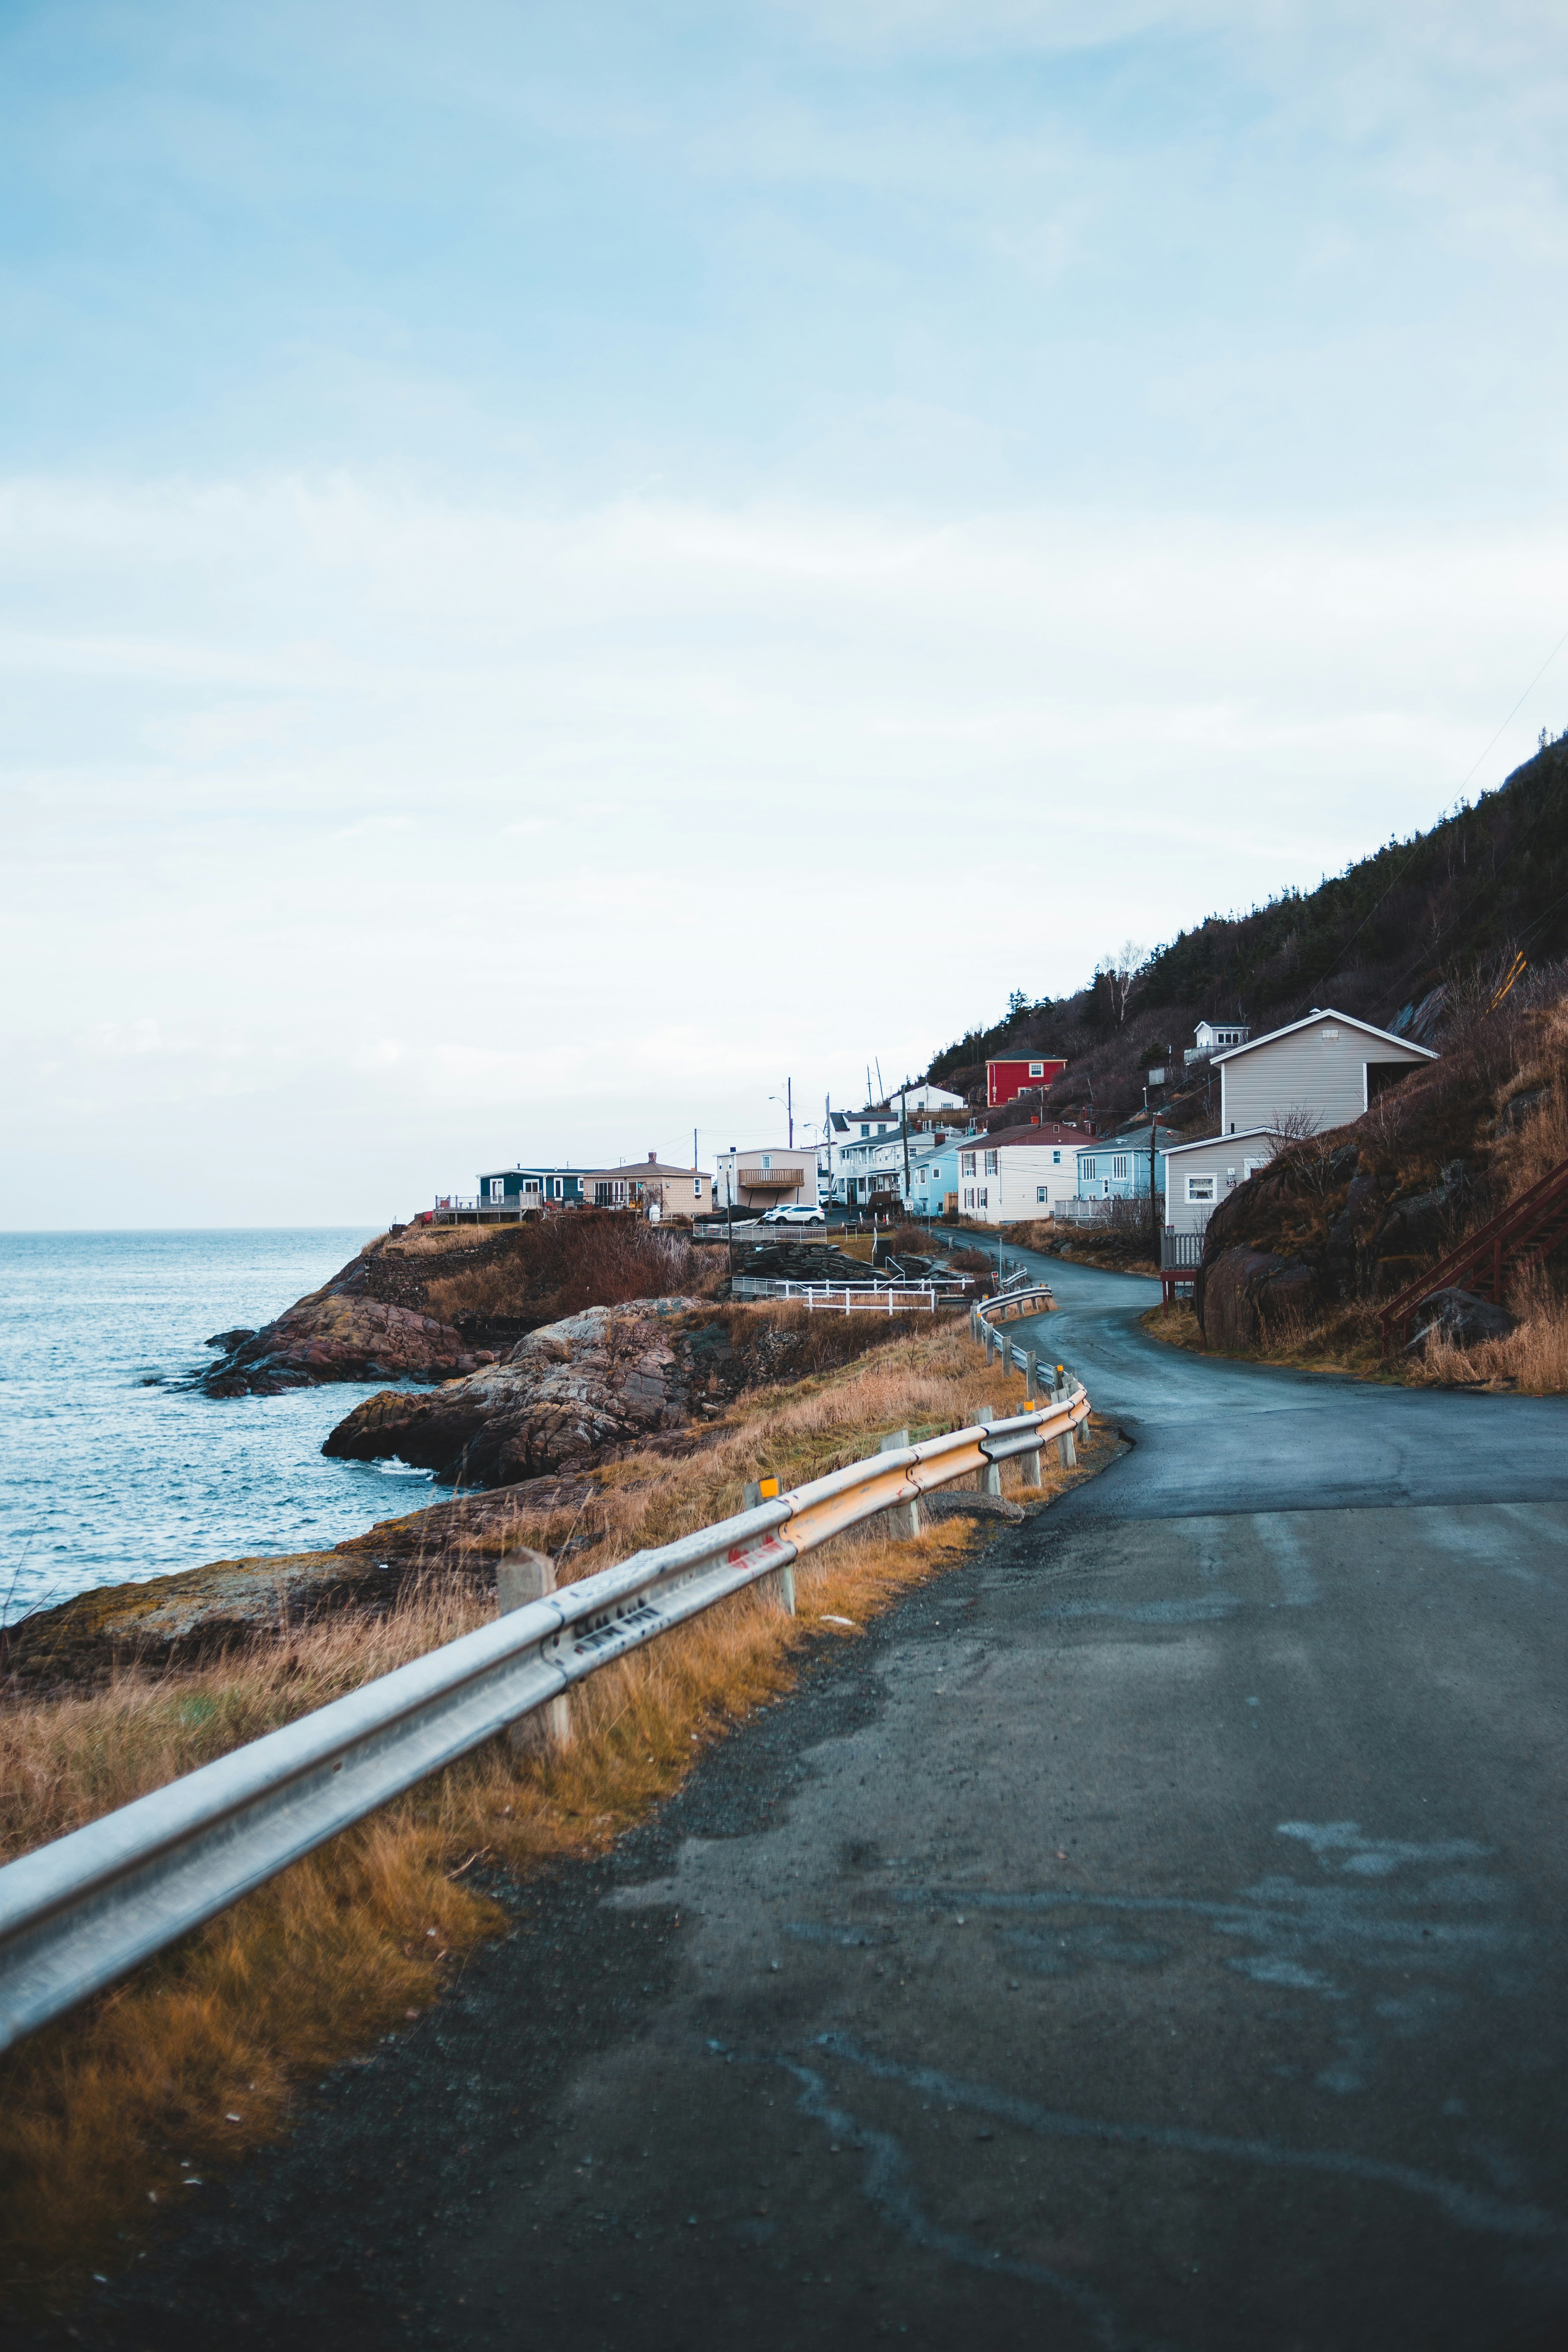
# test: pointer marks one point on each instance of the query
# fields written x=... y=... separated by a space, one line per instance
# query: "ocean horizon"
x=113 y=1467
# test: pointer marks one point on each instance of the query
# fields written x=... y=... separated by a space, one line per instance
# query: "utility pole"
x=789 y=1109
x=1153 y=1132
x=729 y=1206
x=905 y=1100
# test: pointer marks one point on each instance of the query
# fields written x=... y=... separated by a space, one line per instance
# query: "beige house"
x=1318 y=1073
x=774 y=1178
x=651 y=1184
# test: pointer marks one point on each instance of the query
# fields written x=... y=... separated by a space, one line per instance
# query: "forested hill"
x=1384 y=939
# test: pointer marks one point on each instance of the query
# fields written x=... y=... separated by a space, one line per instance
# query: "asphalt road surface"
x=1152 y=1936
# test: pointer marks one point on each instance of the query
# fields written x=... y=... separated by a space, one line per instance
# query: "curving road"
x=1152 y=1936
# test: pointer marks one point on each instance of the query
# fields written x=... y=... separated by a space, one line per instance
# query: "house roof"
x=531 y=1167
x=644 y=1167
x=1207 y=1143
x=1005 y=1137
x=1326 y=1012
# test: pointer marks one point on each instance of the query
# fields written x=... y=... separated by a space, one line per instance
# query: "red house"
x=1005 y=1079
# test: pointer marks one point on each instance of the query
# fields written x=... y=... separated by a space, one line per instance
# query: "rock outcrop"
x=564 y=1398
x=1461 y=1318
x=341 y=1333
x=181 y=1619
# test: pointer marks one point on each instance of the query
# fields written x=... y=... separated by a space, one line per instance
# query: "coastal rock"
x=340 y=1333
x=1240 y=1292
x=182 y=1619
x=563 y=1398
x=1461 y=1318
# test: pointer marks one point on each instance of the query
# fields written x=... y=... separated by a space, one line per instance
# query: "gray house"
x=1318 y=1073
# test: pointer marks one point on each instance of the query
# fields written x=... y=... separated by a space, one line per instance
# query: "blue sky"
x=556 y=566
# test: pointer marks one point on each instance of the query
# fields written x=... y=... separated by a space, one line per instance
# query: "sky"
x=562 y=568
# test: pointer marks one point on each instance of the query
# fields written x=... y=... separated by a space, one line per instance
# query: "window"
x=1328 y=1035
x=969 y=1170
x=560 y=1189
x=969 y=1196
x=1089 y=1168
x=531 y=1184
x=1036 y=1069
x=1056 y=1159
x=985 y=1195
x=498 y=1188
x=991 y=1163
x=864 y=1130
x=1039 y=1192
x=1119 y=1163
x=1251 y=1167
x=696 y=1188
x=767 y=1159
x=1200 y=1188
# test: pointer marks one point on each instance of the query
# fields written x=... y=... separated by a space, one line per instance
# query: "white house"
x=1315 y=1074
x=1199 y=1176
x=926 y=1098
x=753 y=1180
x=1021 y=1172
x=1211 y=1038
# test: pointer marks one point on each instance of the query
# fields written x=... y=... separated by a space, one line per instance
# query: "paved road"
x=1151 y=1937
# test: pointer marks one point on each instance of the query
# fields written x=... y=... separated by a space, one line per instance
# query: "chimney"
x=653 y=1160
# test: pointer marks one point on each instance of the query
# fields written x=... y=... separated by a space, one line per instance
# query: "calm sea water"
x=110 y=1470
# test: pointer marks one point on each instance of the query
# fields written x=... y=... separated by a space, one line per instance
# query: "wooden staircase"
x=1519 y=1235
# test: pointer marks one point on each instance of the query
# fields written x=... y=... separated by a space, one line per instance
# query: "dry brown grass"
x=195 y=2056
x=1533 y=1358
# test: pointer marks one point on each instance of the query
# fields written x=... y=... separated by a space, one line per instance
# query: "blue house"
x=933 y=1175
x=1116 y=1169
x=531 y=1188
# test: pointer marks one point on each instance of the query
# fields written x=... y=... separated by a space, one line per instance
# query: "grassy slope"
x=198 y=2055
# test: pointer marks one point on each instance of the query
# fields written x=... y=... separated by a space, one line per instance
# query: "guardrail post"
x=523 y=1577
x=1031 y=1376
x=1066 y=1451
x=782 y=1582
x=904 y=1518
x=990 y=1476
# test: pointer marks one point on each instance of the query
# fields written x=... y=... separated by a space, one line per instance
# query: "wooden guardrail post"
x=782 y=1582
x=523 y=1577
x=990 y=1476
x=1066 y=1451
x=903 y=1518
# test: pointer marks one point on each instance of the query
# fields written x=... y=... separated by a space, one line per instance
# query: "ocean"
x=111 y=1470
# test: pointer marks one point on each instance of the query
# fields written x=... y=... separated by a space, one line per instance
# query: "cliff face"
x=432 y=1306
x=342 y=1332
x=582 y=1389
x=562 y=1397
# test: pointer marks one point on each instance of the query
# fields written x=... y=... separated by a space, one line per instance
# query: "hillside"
x=1399 y=938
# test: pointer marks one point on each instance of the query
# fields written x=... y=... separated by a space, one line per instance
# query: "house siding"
x=1212 y=1171
x=1307 y=1071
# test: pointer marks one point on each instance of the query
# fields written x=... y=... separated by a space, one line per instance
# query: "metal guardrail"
x=80 y=1912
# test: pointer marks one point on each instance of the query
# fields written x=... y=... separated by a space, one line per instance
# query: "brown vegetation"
x=543 y=1271
x=196 y=2055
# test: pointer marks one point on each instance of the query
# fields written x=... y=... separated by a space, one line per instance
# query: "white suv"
x=796 y=1216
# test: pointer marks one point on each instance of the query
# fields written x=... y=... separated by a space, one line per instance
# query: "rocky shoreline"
x=522 y=1438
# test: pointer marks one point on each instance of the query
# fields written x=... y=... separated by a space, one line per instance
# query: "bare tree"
x=1122 y=969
